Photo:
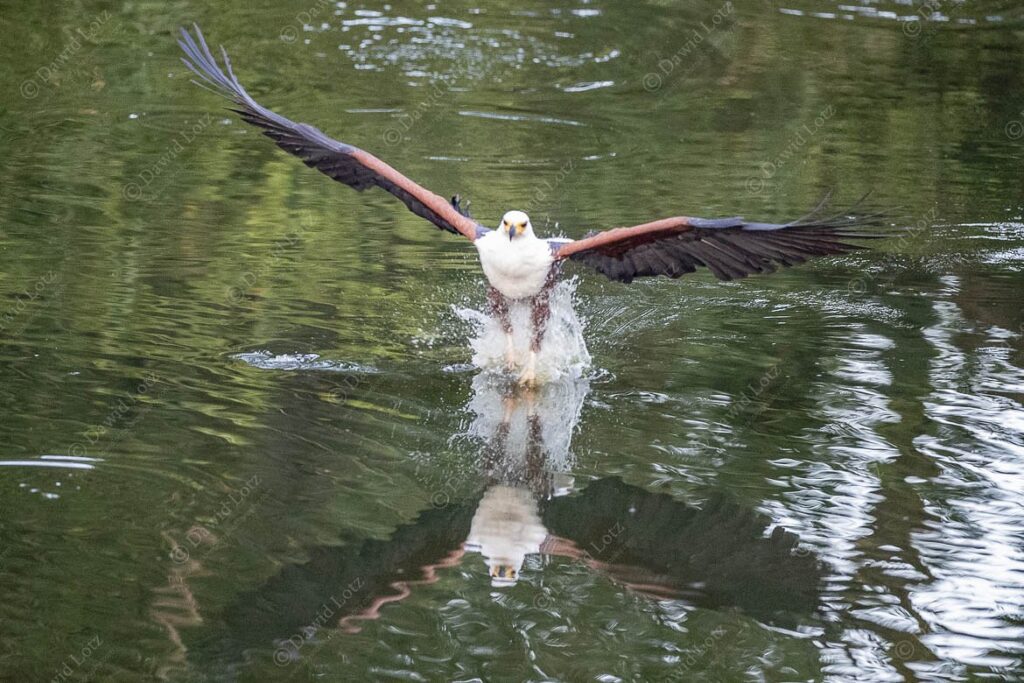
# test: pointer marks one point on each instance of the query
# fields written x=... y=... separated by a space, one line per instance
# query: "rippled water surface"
x=243 y=438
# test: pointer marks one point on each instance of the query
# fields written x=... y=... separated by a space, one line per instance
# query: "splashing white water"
x=500 y=406
x=265 y=360
x=526 y=433
x=563 y=351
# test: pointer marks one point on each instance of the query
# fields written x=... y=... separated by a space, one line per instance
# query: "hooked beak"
x=503 y=575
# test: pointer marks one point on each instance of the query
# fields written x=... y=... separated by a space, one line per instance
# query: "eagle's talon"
x=458 y=206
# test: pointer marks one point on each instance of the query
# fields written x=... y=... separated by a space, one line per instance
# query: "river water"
x=243 y=438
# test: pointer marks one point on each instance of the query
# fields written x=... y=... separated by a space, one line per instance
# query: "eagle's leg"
x=535 y=475
x=496 y=449
x=540 y=312
x=499 y=308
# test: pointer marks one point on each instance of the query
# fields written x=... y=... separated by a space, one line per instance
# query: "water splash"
x=563 y=351
x=526 y=434
x=265 y=360
x=502 y=410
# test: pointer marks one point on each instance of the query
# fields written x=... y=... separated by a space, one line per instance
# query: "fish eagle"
x=519 y=265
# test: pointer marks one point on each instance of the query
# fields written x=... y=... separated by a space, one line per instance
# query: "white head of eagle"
x=515 y=224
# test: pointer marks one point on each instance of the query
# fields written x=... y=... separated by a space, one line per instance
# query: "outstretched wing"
x=347 y=164
x=728 y=247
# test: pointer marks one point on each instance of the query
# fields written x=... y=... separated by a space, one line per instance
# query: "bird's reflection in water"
x=716 y=555
x=526 y=434
x=506 y=528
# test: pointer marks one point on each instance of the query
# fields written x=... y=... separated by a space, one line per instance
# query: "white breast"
x=506 y=527
x=517 y=268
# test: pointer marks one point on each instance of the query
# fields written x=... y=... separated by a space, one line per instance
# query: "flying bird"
x=519 y=265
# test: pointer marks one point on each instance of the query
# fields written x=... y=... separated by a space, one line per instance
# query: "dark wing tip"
x=856 y=216
x=732 y=248
x=200 y=61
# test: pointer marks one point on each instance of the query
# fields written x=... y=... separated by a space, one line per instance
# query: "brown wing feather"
x=729 y=247
x=347 y=164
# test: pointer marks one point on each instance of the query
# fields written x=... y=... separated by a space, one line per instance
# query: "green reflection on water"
x=870 y=403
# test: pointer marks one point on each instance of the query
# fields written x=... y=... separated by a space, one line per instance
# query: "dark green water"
x=241 y=439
